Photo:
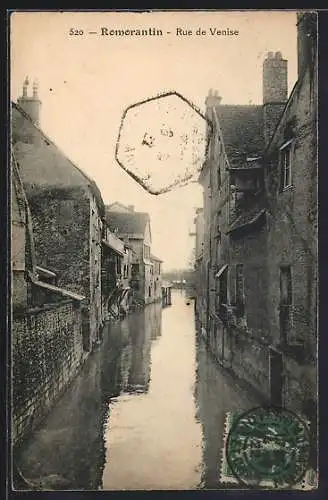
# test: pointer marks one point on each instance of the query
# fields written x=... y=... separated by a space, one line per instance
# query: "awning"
x=56 y=289
x=112 y=247
x=246 y=219
x=223 y=268
x=45 y=272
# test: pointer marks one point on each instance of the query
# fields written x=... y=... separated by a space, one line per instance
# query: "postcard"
x=164 y=262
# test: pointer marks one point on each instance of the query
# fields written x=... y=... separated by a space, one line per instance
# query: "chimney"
x=213 y=99
x=275 y=85
x=131 y=208
x=275 y=92
x=306 y=40
x=31 y=105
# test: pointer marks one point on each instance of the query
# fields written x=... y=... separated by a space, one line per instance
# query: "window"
x=286 y=295
x=240 y=300
x=218 y=176
x=218 y=245
x=222 y=297
x=135 y=270
x=126 y=271
x=146 y=252
x=285 y=165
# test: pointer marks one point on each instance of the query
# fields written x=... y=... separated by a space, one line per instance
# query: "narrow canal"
x=147 y=411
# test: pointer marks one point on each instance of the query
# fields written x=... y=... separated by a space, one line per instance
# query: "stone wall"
x=47 y=350
x=61 y=230
x=250 y=360
x=250 y=251
x=94 y=239
x=67 y=235
x=292 y=240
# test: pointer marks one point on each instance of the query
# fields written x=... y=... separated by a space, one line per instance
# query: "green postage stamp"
x=267 y=448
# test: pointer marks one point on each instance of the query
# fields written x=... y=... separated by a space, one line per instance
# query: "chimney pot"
x=270 y=55
x=213 y=99
x=31 y=105
x=278 y=55
x=35 y=89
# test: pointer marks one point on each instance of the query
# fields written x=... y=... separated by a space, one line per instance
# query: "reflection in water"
x=216 y=393
x=135 y=418
x=68 y=451
x=153 y=440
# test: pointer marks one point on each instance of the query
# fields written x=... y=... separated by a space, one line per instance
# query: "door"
x=276 y=377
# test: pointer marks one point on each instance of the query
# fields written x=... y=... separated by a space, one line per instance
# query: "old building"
x=290 y=163
x=257 y=268
x=112 y=256
x=67 y=212
x=156 y=278
x=134 y=228
x=46 y=326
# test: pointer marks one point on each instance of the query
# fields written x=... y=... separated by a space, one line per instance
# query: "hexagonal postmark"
x=163 y=142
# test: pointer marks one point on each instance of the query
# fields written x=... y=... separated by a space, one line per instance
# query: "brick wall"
x=47 y=351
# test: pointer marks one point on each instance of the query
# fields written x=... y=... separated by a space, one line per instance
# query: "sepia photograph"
x=164 y=250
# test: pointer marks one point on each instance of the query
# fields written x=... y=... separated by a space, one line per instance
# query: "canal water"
x=147 y=412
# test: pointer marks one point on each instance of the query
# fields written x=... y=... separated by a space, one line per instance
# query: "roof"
x=250 y=164
x=132 y=223
x=153 y=257
x=44 y=164
x=247 y=218
x=242 y=130
x=112 y=246
x=25 y=215
x=117 y=206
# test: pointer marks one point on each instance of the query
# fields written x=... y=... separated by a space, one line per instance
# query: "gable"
x=118 y=207
x=41 y=162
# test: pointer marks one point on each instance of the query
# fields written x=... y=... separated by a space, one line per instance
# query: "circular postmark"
x=268 y=447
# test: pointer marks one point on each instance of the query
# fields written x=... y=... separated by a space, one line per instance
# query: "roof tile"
x=127 y=223
x=242 y=130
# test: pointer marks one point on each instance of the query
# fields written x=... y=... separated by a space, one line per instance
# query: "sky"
x=87 y=81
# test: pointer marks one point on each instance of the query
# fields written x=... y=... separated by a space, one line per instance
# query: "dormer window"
x=286 y=164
